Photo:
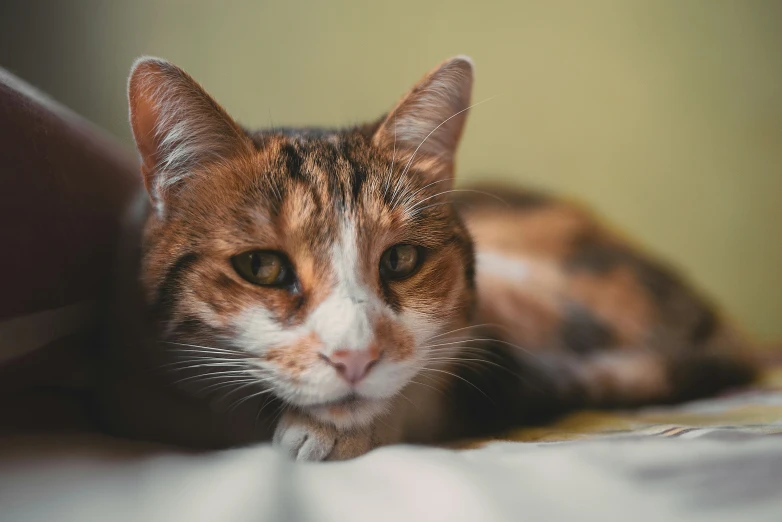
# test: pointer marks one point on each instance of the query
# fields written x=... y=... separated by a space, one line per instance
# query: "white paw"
x=303 y=438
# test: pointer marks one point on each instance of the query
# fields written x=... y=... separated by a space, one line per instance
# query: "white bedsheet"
x=94 y=479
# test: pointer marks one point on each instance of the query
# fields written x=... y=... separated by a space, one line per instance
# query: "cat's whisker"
x=407 y=166
x=421 y=209
x=457 y=377
x=228 y=383
x=280 y=412
x=398 y=189
x=457 y=345
x=263 y=406
x=459 y=350
x=416 y=207
x=207 y=353
x=201 y=362
x=413 y=194
x=239 y=402
x=210 y=348
x=405 y=397
x=488 y=340
x=393 y=159
x=233 y=386
x=201 y=357
x=402 y=177
x=425 y=385
x=229 y=387
x=213 y=375
x=433 y=205
x=459 y=360
x=481 y=325
x=443 y=345
x=409 y=162
x=436 y=195
x=399 y=184
x=204 y=369
x=467 y=340
x=240 y=386
x=473 y=364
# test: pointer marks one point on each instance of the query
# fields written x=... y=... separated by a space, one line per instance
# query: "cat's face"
x=332 y=260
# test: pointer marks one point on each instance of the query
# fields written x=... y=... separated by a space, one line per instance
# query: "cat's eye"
x=262 y=267
x=399 y=262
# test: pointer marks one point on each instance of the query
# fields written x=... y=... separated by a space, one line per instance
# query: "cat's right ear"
x=427 y=123
x=179 y=129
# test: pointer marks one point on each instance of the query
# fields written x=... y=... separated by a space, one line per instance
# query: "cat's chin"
x=350 y=412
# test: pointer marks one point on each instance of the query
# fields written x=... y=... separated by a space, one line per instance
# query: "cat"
x=331 y=291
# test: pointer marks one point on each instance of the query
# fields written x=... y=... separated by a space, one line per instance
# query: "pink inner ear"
x=143 y=121
x=144 y=116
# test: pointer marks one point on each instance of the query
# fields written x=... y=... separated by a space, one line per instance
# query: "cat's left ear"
x=428 y=121
x=179 y=129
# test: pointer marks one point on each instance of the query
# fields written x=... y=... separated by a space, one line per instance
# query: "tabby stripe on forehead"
x=293 y=161
x=169 y=288
x=357 y=171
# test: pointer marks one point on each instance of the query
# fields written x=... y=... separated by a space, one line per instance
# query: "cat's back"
x=547 y=270
x=552 y=278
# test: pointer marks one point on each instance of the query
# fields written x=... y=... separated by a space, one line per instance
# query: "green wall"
x=664 y=115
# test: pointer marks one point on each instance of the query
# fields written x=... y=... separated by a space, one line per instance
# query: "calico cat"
x=330 y=289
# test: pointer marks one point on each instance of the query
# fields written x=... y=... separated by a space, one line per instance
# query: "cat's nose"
x=352 y=365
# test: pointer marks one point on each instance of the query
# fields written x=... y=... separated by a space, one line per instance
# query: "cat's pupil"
x=393 y=259
x=255 y=263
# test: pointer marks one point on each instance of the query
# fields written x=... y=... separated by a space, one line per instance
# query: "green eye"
x=262 y=268
x=399 y=262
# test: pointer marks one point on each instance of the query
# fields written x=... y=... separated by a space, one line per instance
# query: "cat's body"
x=322 y=287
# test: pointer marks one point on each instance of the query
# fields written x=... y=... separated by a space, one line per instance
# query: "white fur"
x=342 y=321
x=259 y=331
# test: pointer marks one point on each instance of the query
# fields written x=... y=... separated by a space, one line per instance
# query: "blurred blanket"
x=645 y=479
x=717 y=459
x=739 y=414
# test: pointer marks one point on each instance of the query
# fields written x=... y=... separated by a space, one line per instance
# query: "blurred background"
x=665 y=116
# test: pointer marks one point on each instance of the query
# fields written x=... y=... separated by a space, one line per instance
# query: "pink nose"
x=352 y=365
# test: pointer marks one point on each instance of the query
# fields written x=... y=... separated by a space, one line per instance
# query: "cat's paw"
x=304 y=438
x=351 y=445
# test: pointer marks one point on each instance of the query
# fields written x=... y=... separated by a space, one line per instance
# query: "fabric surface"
x=756 y=410
x=645 y=479
x=713 y=460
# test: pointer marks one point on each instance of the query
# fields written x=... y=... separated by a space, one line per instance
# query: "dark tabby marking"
x=583 y=333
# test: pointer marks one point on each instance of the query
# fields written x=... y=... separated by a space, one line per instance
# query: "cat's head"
x=332 y=260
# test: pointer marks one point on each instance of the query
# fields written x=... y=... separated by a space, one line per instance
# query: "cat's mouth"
x=348 y=411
